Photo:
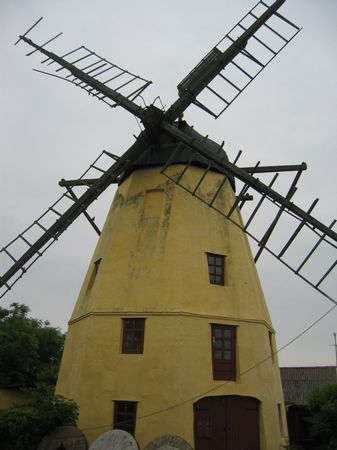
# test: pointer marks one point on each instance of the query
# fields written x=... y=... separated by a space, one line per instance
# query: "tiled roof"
x=298 y=382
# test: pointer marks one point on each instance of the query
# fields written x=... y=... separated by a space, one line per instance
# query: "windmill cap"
x=159 y=153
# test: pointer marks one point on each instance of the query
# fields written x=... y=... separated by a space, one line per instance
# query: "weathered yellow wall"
x=12 y=397
x=153 y=265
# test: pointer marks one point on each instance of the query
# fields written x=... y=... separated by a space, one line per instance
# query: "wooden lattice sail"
x=171 y=332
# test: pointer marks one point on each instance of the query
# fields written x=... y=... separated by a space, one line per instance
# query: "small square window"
x=125 y=416
x=133 y=335
x=216 y=268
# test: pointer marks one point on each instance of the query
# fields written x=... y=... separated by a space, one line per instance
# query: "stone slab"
x=64 y=438
x=168 y=442
x=115 y=440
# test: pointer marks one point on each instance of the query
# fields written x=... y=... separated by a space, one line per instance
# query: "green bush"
x=27 y=347
x=23 y=427
x=323 y=407
x=30 y=355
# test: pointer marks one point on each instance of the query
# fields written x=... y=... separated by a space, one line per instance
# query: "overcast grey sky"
x=51 y=130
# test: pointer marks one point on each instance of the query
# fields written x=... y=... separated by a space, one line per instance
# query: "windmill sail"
x=323 y=237
x=235 y=61
x=44 y=231
x=96 y=75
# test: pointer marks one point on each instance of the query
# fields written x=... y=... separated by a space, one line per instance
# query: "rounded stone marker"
x=115 y=440
x=64 y=438
x=168 y=442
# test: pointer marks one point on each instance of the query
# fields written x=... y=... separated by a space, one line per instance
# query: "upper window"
x=133 y=335
x=224 y=352
x=216 y=268
x=94 y=273
x=271 y=344
x=125 y=416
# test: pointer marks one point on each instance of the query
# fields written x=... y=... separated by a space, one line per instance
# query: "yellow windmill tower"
x=171 y=318
x=170 y=334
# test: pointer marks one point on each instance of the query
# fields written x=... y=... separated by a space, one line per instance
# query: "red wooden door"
x=226 y=423
x=223 y=352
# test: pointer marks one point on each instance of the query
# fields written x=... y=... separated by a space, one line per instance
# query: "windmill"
x=190 y=149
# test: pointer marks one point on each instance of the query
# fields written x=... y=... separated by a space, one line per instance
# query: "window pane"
x=218 y=354
x=227 y=333
x=138 y=335
x=137 y=347
x=129 y=335
x=211 y=259
x=227 y=355
x=119 y=419
x=128 y=345
x=218 y=343
x=227 y=345
x=218 y=332
x=130 y=407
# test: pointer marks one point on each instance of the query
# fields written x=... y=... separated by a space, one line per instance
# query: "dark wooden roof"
x=298 y=382
x=158 y=154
